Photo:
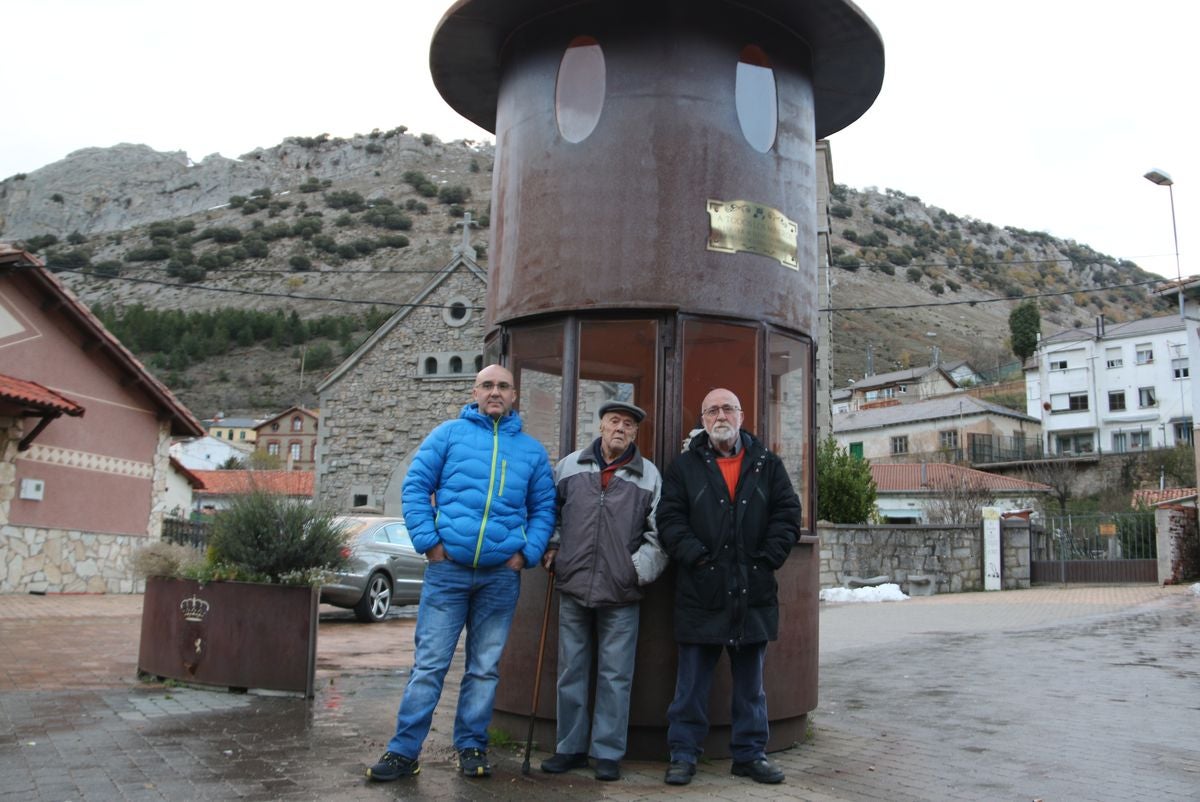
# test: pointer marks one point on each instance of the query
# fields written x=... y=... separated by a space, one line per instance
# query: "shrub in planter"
x=243 y=615
x=265 y=537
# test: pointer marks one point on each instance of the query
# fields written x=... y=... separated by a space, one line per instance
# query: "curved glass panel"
x=756 y=98
x=579 y=92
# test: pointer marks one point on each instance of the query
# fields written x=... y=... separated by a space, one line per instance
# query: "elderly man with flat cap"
x=604 y=551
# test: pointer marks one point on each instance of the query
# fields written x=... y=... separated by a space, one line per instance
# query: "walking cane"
x=537 y=676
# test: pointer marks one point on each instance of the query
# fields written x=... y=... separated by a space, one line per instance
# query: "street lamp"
x=1161 y=178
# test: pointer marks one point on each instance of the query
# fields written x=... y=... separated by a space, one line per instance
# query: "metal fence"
x=186 y=533
x=1119 y=547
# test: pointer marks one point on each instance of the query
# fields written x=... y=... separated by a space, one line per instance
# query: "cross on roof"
x=465 y=247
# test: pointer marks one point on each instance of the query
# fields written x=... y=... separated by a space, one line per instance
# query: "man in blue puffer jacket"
x=479 y=502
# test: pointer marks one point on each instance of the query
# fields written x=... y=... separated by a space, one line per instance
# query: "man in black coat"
x=728 y=518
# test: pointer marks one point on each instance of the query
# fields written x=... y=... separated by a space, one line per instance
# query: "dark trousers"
x=687 y=717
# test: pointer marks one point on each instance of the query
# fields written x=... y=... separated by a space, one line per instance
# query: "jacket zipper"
x=487 y=507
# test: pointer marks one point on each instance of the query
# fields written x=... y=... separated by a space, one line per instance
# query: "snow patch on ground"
x=886 y=592
x=1195 y=589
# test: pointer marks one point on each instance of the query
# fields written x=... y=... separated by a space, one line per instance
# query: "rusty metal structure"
x=654 y=235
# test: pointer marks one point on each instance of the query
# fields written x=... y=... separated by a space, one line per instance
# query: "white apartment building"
x=1116 y=388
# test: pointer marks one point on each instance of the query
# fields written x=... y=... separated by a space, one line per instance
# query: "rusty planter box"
x=240 y=635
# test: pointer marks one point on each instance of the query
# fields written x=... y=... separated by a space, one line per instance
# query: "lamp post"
x=1161 y=178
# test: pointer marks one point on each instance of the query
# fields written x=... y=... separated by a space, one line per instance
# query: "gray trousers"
x=615 y=648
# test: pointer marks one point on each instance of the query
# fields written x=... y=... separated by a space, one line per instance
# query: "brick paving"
x=1082 y=693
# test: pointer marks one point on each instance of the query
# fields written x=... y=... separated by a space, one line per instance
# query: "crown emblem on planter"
x=194 y=608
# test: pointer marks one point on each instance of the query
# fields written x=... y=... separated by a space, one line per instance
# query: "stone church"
x=412 y=373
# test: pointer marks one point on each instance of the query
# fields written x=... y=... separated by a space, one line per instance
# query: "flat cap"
x=634 y=411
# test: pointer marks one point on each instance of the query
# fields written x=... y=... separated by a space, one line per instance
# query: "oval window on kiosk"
x=756 y=98
x=579 y=90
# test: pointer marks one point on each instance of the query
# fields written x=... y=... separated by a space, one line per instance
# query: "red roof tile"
x=237 y=483
x=935 y=475
x=36 y=396
x=1149 y=498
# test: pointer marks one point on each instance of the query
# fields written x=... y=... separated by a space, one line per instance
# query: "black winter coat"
x=726 y=551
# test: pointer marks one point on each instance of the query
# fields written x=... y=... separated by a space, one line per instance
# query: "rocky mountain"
x=337 y=232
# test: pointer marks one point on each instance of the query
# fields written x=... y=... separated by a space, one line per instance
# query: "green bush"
x=845 y=489
x=266 y=537
x=163 y=229
x=841 y=210
x=454 y=194
x=109 y=268
x=300 y=263
x=345 y=199
x=68 y=260
x=256 y=248
x=427 y=139
x=914 y=274
x=152 y=253
x=36 y=243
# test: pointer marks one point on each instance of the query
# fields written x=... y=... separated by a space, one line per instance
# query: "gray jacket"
x=607 y=540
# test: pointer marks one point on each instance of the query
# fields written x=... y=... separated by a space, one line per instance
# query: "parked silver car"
x=382 y=568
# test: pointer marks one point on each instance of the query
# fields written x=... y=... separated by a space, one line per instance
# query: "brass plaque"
x=752 y=227
x=1108 y=530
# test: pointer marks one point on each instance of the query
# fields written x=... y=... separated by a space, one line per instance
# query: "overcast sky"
x=1039 y=114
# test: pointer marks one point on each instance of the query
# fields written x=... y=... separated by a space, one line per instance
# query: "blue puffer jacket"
x=494 y=489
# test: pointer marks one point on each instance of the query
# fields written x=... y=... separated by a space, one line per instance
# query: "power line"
x=398 y=304
x=988 y=300
x=269 y=294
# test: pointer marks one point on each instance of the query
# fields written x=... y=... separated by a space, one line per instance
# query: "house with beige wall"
x=290 y=436
x=904 y=386
x=953 y=428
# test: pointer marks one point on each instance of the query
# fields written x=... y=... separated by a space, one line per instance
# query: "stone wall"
x=1176 y=538
x=950 y=555
x=374 y=417
x=66 y=561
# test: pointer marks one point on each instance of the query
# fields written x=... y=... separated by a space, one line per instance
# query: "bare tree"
x=958 y=500
x=1059 y=474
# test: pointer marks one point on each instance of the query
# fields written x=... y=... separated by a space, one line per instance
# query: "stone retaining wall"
x=66 y=561
x=951 y=556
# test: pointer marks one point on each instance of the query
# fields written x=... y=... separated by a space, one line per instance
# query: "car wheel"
x=376 y=601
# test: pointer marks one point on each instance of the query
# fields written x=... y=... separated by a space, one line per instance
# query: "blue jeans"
x=687 y=717
x=615 y=649
x=453 y=596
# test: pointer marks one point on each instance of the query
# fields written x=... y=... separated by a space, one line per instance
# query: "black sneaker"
x=565 y=761
x=474 y=763
x=679 y=772
x=761 y=770
x=392 y=767
x=608 y=770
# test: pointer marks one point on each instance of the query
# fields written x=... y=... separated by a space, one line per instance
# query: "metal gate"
x=1118 y=547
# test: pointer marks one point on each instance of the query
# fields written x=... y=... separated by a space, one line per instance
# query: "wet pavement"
x=1082 y=693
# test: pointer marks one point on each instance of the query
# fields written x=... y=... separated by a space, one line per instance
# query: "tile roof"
x=237 y=483
x=929 y=476
x=945 y=406
x=16 y=262
x=908 y=374
x=1151 y=498
x=36 y=396
x=1116 y=331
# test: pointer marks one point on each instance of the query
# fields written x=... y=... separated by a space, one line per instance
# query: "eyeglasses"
x=728 y=409
x=487 y=387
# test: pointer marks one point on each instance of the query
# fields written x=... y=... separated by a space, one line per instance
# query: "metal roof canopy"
x=847 y=51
